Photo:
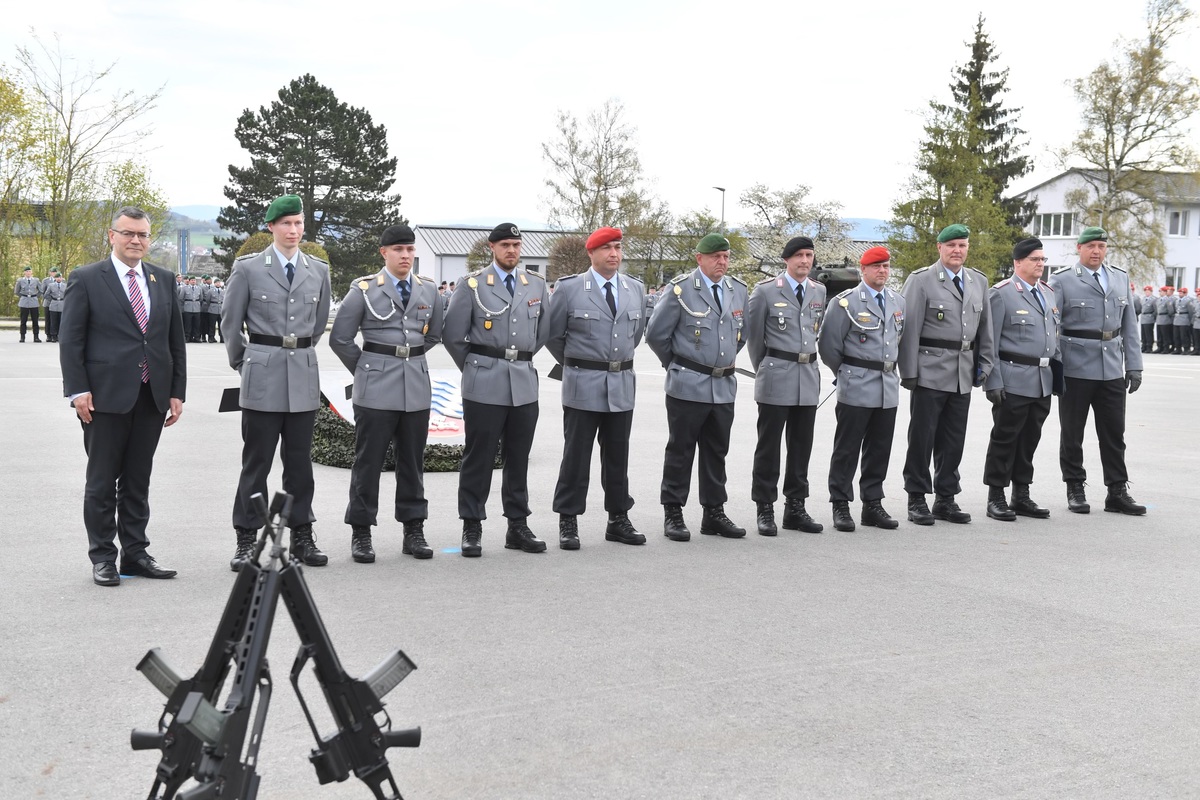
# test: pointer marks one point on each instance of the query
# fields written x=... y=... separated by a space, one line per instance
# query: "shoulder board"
x=767 y=280
x=476 y=273
x=846 y=293
x=681 y=278
x=1115 y=269
x=736 y=278
x=248 y=255
x=1061 y=269
x=919 y=271
x=1043 y=283
x=977 y=272
x=417 y=281
x=535 y=274
x=364 y=279
x=1004 y=282
x=634 y=278
x=568 y=277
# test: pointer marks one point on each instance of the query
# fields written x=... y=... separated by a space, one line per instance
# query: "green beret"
x=955 y=231
x=284 y=206
x=713 y=243
x=1091 y=235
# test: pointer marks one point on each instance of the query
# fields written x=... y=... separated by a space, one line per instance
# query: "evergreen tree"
x=330 y=154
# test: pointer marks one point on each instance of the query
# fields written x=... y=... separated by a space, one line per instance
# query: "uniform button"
x=264 y=297
x=614 y=336
x=292 y=353
x=292 y=300
x=291 y=317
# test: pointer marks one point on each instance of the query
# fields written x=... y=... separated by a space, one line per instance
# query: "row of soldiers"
x=944 y=334
x=31 y=294
x=201 y=303
x=1176 y=318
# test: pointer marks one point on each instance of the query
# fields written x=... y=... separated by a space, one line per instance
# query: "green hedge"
x=333 y=446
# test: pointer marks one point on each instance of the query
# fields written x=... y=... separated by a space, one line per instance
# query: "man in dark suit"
x=124 y=368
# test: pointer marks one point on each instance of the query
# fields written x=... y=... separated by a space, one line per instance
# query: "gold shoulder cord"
x=684 y=306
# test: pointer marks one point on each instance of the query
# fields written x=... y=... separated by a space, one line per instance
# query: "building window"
x=1054 y=224
x=1177 y=223
x=1174 y=276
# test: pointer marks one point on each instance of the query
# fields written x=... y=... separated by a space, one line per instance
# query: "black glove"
x=1133 y=379
x=995 y=395
x=908 y=383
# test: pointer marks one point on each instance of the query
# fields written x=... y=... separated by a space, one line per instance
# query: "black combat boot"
x=715 y=523
x=620 y=529
x=1119 y=501
x=568 y=532
x=472 y=538
x=841 y=516
x=360 y=544
x=997 y=505
x=945 y=508
x=874 y=515
x=521 y=538
x=1024 y=506
x=304 y=547
x=766 y=520
x=674 y=527
x=1076 y=500
x=414 y=540
x=245 y=547
x=795 y=518
x=918 y=512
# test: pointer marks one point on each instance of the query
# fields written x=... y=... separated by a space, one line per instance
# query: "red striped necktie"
x=139 y=311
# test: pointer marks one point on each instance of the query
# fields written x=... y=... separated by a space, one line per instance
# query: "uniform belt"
x=1028 y=361
x=398 y=350
x=799 y=358
x=1104 y=336
x=716 y=372
x=290 y=342
x=602 y=366
x=511 y=354
x=881 y=366
x=947 y=344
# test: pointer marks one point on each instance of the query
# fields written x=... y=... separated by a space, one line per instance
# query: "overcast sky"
x=726 y=94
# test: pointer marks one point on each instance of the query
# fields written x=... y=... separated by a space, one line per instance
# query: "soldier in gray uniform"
x=860 y=341
x=191 y=309
x=205 y=287
x=596 y=322
x=216 y=299
x=1182 y=322
x=1196 y=323
x=948 y=350
x=493 y=327
x=1025 y=325
x=1164 y=315
x=281 y=296
x=27 y=291
x=53 y=296
x=696 y=332
x=1102 y=358
x=783 y=317
x=1146 y=317
x=400 y=316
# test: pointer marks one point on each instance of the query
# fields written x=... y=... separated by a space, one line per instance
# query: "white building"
x=442 y=250
x=1179 y=208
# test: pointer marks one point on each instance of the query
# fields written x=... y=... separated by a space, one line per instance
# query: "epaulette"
x=567 y=277
x=1004 y=282
x=846 y=293
x=918 y=271
x=416 y=278
x=681 y=278
x=977 y=272
x=1116 y=269
x=475 y=274
x=769 y=279
x=1061 y=269
x=248 y=255
x=317 y=259
x=535 y=274
x=634 y=278
x=364 y=282
x=736 y=278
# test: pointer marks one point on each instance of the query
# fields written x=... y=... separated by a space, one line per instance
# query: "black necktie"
x=1096 y=275
x=404 y=293
x=800 y=294
x=958 y=285
x=509 y=284
x=717 y=297
x=608 y=295
x=1038 y=296
x=882 y=306
x=290 y=271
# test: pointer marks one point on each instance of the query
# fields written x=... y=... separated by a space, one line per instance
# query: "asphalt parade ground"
x=1055 y=658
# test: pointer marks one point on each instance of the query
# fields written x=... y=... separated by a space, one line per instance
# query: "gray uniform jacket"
x=1021 y=328
x=392 y=381
x=1147 y=314
x=1164 y=310
x=54 y=295
x=216 y=297
x=258 y=296
x=1084 y=307
x=937 y=313
x=776 y=321
x=191 y=299
x=481 y=312
x=686 y=324
x=205 y=291
x=582 y=326
x=855 y=327
x=27 y=291
x=1184 y=310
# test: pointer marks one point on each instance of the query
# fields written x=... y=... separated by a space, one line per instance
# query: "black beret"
x=505 y=230
x=1023 y=248
x=397 y=234
x=797 y=243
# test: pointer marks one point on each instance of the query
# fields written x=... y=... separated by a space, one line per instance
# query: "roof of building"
x=456 y=240
x=1181 y=187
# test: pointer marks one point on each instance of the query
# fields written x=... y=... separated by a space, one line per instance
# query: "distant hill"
x=197 y=212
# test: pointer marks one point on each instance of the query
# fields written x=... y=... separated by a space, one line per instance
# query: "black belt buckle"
x=888 y=366
x=289 y=342
x=614 y=366
x=511 y=353
x=402 y=350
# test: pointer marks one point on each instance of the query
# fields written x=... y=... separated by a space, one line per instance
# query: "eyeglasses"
x=1038 y=260
x=144 y=236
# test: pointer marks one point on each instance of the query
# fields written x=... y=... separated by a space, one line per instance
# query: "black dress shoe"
x=414 y=540
x=841 y=516
x=568 y=532
x=519 y=537
x=944 y=508
x=766 y=520
x=1119 y=501
x=918 y=512
x=361 y=549
x=715 y=523
x=146 y=567
x=674 y=528
x=472 y=538
x=796 y=518
x=1076 y=499
x=105 y=573
x=874 y=515
x=620 y=529
x=997 y=505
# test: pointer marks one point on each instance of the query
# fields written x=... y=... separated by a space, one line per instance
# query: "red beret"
x=1148 y=288
x=876 y=255
x=1183 y=290
x=602 y=236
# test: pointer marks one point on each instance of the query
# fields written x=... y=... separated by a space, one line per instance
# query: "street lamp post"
x=721 y=189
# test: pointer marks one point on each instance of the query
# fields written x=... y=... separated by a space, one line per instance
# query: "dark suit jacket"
x=101 y=346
